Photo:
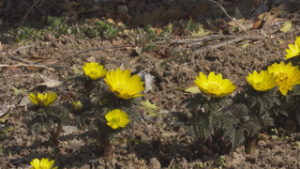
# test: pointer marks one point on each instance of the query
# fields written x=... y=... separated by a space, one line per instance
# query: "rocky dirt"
x=159 y=146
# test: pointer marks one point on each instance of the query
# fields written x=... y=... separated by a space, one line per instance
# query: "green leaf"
x=280 y=41
x=236 y=27
x=287 y=25
x=55 y=21
x=193 y=26
x=196 y=27
x=18 y=91
x=5 y=115
x=150 y=108
x=201 y=32
x=245 y=45
x=6 y=129
x=77 y=71
x=193 y=89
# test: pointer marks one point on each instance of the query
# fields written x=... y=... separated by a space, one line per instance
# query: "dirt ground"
x=78 y=150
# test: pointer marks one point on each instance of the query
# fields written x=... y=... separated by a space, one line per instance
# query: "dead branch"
x=228 y=15
x=193 y=39
x=88 y=50
x=27 y=65
x=227 y=42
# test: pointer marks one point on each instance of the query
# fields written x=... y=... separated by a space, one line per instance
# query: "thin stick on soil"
x=228 y=15
x=23 y=47
x=171 y=163
x=223 y=44
x=28 y=65
x=19 y=59
x=88 y=50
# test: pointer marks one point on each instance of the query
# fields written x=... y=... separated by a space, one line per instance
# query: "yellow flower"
x=293 y=51
x=298 y=41
x=77 y=105
x=43 y=164
x=124 y=86
x=42 y=100
x=262 y=81
x=116 y=118
x=94 y=70
x=286 y=76
x=214 y=86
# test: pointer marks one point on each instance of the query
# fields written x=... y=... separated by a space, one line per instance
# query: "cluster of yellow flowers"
x=282 y=75
x=121 y=83
x=125 y=86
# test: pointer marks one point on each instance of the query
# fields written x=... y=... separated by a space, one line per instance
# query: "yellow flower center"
x=214 y=88
x=115 y=120
x=122 y=88
x=258 y=84
x=94 y=72
x=282 y=75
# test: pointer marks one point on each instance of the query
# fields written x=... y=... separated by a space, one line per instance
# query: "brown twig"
x=20 y=48
x=88 y=50
x=228 y=15
x=193 y=39
x=19 y=59
x=23 y=47
x=28 y=65
x=28 y=13
x=229 y=42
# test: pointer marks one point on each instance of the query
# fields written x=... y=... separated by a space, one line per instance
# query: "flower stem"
x=55 y=135
x=105 y=145
x=249 y=144
x=108 y=151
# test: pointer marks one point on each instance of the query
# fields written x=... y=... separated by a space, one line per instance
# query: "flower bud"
x=189 y=116
x=77 y=105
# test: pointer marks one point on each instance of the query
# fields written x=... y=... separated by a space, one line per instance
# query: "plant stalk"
x=249 y=144
x=108 y=151
x=55 y=135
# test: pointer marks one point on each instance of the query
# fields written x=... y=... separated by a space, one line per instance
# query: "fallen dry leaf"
x=199 y=11
x=49 y=83
x=35 y=59
x=116 y=42
x=257 y=24
x=135 y=18
x=157 y=31
x=287 y=25
x=154 y=99
x=68 y=96
x=134 y=3
x=155 y=15
x=161 y=55
x=204 y=149
x=270 y=20
x=173 y=14
x=12 y=69
x=15 y=70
